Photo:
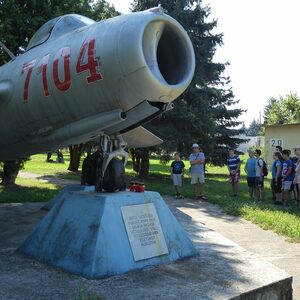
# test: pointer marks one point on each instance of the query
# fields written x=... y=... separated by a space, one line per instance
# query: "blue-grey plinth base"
x=60 y=196
x=84 y=233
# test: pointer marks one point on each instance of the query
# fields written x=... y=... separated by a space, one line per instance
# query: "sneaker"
x=202 y=198
x=180 y=197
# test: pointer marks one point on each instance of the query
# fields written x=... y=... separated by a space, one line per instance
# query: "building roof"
x=281 y=125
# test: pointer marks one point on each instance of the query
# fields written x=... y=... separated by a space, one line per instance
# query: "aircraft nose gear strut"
x=110 y=175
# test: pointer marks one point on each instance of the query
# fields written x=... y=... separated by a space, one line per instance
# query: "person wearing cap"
x=197 y=160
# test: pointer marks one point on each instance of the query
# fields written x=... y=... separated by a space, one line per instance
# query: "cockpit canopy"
x=58 y=27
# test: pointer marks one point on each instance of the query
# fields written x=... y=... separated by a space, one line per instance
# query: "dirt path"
x=265 y=243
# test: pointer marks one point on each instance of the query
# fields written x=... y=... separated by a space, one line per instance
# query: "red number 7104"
x=64 y=53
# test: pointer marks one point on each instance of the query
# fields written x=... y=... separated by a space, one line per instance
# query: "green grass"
x=163 y=169
x=38 y=165
x=218 y=191
x=28 y=190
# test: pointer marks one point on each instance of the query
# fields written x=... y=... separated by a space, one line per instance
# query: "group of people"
x=285 y=174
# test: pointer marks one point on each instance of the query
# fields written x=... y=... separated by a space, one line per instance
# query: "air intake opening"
x=172 y=56
x=168 y=53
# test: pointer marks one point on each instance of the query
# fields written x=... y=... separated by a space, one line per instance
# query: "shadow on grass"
x=73 y=176
x=17 y=193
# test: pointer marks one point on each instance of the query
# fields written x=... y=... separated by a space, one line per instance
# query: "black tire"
x=89 y=168
x=114 y=177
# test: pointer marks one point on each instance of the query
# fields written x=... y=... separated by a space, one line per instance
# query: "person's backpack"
x=264 y=168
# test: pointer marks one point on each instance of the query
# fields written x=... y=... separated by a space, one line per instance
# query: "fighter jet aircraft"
x=79 y=80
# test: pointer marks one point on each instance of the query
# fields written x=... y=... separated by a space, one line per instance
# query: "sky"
x=262 y=44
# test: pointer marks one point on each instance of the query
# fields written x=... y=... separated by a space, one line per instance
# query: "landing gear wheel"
x=114 y=177
x=110 y=171
x=99 y=178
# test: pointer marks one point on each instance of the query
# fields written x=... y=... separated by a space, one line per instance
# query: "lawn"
x=218 y=191
x=28 y=190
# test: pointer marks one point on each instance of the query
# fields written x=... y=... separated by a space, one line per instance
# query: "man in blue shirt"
x=197 y=159
x=287 y=177
x=233 y=165
x=250 y=171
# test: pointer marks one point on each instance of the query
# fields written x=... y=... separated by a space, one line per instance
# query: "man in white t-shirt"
x=197 y=160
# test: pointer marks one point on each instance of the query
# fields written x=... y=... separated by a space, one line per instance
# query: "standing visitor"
x=259 y=184
x=294 y=187
x=276 y=177
x=197 y=160
x=287 y=177
x=297 y=175
x=250 y=171
x=233 y=165
x=177 y=172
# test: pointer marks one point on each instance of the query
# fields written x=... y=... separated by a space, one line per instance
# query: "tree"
x=285 y=110
x=202 y=113
x=254 y=129
x=19 y=20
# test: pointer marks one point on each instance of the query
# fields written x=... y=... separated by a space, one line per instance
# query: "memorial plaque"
x=144 y=231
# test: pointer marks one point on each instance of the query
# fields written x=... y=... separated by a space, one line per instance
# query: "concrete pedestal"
x=99 y=235
x=61 y=195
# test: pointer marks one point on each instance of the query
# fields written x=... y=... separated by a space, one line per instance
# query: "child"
x=259 y=185
x=276 y=177
x=177 y=171
x=287 y=177
x=250 y=171
x=233 y=165
x=297 y=175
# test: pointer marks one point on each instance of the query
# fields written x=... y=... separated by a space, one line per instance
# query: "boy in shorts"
x=259 y=184
x=276 y=177
x=287 y=177
x=233 y=165
x=177 y=172
x=250 y=171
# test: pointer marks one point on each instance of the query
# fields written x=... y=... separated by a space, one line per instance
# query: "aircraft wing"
x=141 y=138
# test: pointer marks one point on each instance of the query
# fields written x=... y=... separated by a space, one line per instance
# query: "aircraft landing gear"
x=110 y=173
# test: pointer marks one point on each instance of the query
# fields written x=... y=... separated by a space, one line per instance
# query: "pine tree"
x=254 y=129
